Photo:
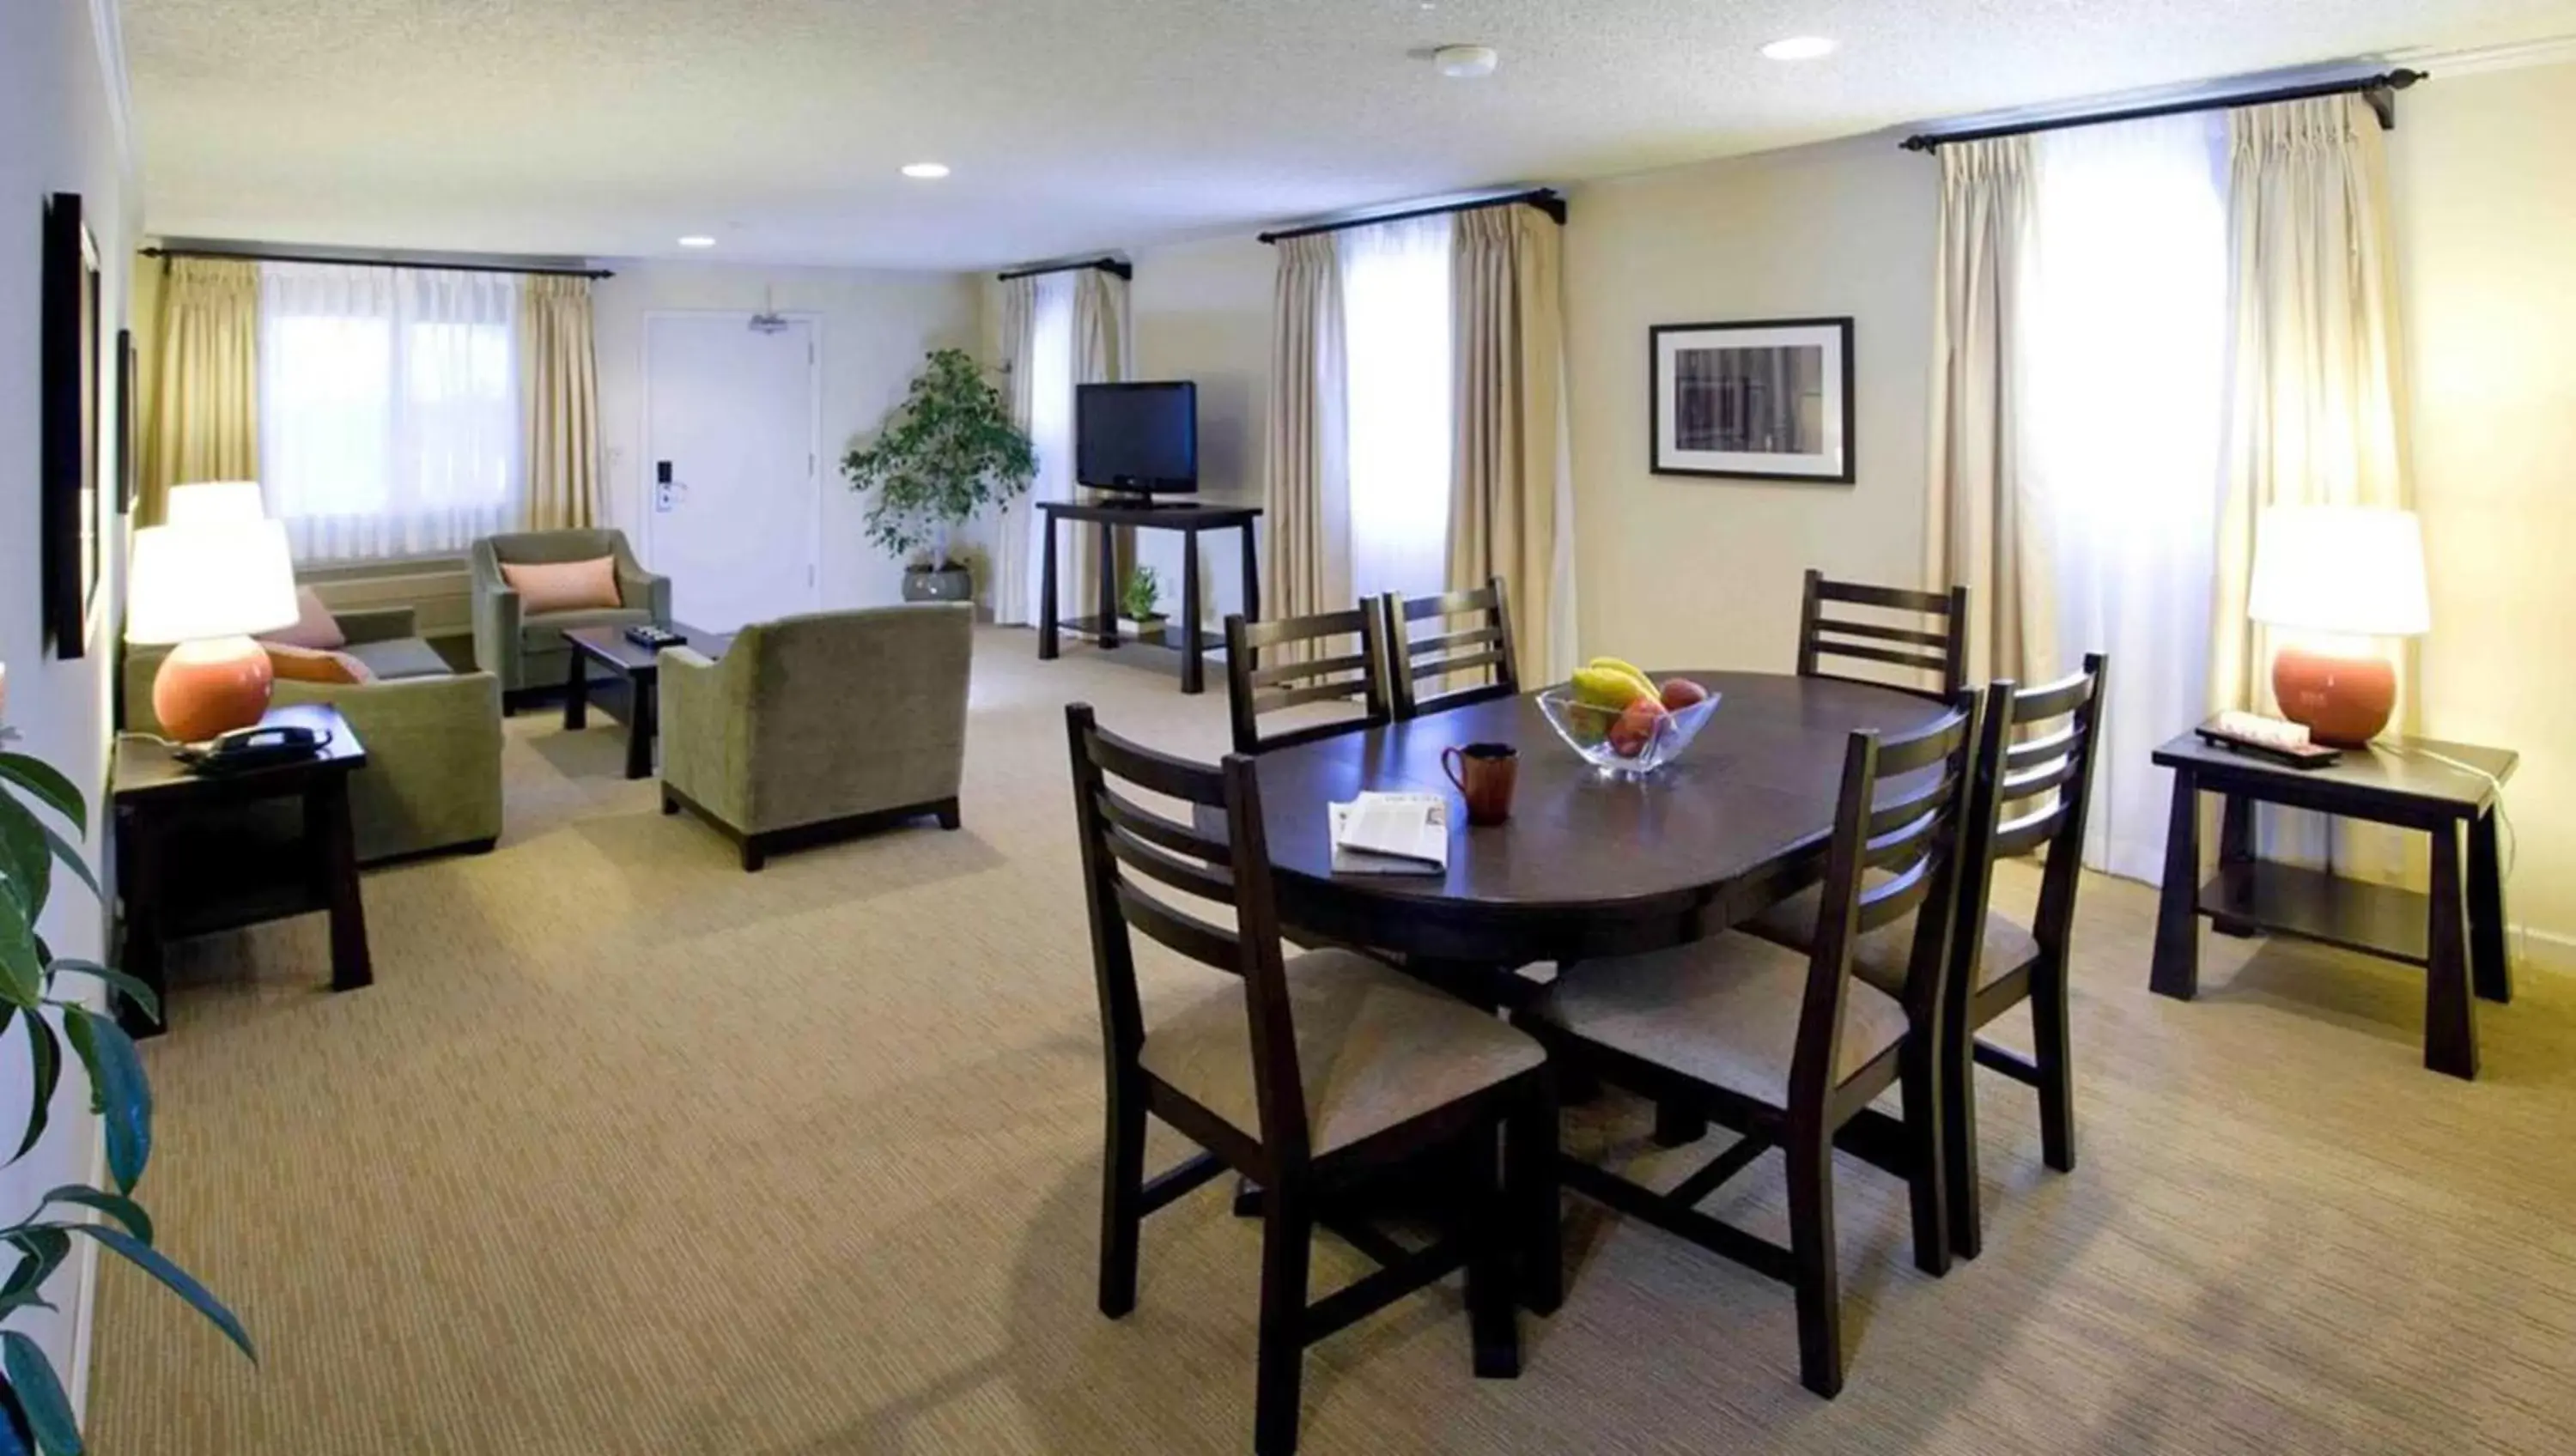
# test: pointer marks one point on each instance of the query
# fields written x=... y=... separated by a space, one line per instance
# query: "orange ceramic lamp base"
x=2344 y=701
x=210 y=687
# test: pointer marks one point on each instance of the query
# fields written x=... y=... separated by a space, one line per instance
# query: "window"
x=1395 y=319
x=389 y=408
x=1050 y=366
x=2127 y=360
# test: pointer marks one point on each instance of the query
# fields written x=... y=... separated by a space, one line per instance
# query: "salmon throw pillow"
x=562 y=586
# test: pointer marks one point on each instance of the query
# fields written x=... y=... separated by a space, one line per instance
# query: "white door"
x=732 y=500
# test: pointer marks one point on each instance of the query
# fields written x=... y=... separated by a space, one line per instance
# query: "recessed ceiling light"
x=926 y=171
x=1799 y=48
x=697 y=240
x=1465 y=62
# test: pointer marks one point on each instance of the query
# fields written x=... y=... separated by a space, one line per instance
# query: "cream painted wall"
x=1679 y=570
x=62 y=129
x=2485 y=204
x=876 y=326
x=1201 y=311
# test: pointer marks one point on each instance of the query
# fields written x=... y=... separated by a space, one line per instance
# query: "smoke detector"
x=1466 y=62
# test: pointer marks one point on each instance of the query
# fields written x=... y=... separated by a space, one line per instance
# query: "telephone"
x=258 y=746
x=2272 y=738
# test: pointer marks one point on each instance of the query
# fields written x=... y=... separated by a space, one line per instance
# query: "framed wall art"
x=1763 y=400
x=68 y=405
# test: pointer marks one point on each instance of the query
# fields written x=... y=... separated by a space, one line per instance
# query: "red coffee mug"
x=1485 y=774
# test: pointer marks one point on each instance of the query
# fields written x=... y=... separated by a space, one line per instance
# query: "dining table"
x=1587 y=864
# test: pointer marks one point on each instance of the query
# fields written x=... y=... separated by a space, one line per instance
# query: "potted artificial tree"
x=40 y=1006
x=948 y=451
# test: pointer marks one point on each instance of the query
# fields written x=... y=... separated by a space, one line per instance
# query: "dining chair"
x=1788 y=1050
x=1307 y=1074
x=1943 y=653
x=1293 y=662
x=1484 y=647
x=2005 y=962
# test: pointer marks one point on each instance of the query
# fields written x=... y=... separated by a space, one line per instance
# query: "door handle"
x=666 y=492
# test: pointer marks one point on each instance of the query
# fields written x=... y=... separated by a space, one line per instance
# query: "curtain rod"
x=1545 y=199
x=2380 y=90
x=257 y=256
x=1105 y=265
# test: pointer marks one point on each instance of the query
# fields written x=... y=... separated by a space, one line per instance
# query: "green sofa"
x=816 y=726
x=528 y=653
x=432 y=734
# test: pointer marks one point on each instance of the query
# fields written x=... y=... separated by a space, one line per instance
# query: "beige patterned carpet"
x=629 y=1152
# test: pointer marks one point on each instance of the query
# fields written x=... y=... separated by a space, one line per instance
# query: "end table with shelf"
x=197 y=854
x=2455 y=931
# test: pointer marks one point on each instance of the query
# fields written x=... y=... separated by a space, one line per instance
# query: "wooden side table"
x=245 y=875
x=611 y=648
x=2456 y=932
x=1188 y=518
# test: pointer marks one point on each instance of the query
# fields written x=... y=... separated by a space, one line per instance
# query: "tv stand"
x=1189 y=518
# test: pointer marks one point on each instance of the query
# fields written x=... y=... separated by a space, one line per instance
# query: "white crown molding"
x=2554 y=51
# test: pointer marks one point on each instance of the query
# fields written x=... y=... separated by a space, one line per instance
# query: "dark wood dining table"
x=1587 y=865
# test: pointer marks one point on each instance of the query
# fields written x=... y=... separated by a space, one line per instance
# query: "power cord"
x=2508 y=852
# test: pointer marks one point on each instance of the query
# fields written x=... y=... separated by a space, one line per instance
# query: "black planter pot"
x=931 y=584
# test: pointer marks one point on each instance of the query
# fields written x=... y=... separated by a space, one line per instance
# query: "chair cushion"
x=306 y=664
x=545 y=634
x=1880 y=956
x=562 y=586
x=1375 y=1049
x=314 y=626
x=400 y=657
x=1722 y=1011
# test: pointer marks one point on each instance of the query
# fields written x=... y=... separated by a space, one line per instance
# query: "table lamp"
x=203 y=589
x=2338 y=575
x=211 y=502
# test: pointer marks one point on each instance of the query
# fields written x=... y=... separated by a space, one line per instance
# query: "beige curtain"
x=205 y=391
x=2316 y=411
x=2316 y=404
x=1306 y=490
x=1511 y=488
x=1981 y=528
x=1015 y=531
x=559 y=388
x=1100 y=355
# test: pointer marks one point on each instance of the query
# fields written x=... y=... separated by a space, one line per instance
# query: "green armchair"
x=433 y=737
x=529 y=652
x=818 y=726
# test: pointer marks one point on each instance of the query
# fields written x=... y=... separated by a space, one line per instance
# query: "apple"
x=1681 y=692
x=1636 y=727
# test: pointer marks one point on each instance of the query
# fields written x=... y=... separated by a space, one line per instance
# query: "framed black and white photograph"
x=1762 y=400
x=68 y=427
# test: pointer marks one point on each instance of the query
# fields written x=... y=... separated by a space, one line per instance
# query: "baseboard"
x=2545 y=950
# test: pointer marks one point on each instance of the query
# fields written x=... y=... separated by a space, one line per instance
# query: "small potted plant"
x=1142 y=599
x=948 y=451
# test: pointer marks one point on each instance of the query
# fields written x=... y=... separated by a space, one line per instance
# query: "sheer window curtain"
x=1398 y=402
x=2124 y=343
x=390 y=411
x=1098 y=349
x=1050 y=383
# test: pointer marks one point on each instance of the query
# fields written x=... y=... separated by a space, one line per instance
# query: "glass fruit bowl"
x=1618 y=747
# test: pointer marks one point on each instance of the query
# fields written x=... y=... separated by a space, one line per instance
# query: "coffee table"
x=642 y=670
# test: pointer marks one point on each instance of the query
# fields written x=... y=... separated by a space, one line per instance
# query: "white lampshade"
x=2357 y=570
x=227 y=579
x=213 y=502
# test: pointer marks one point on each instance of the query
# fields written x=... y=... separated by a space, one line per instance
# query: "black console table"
x=2456 y=933
x=1188 y=518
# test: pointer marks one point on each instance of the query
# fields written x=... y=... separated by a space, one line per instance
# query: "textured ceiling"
x=611 y=127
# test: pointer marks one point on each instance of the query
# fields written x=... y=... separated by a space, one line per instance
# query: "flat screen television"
x=1141 y=437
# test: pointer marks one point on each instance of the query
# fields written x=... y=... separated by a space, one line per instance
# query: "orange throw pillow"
x=563 y=586
x=314 y=627
x=305 y=664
